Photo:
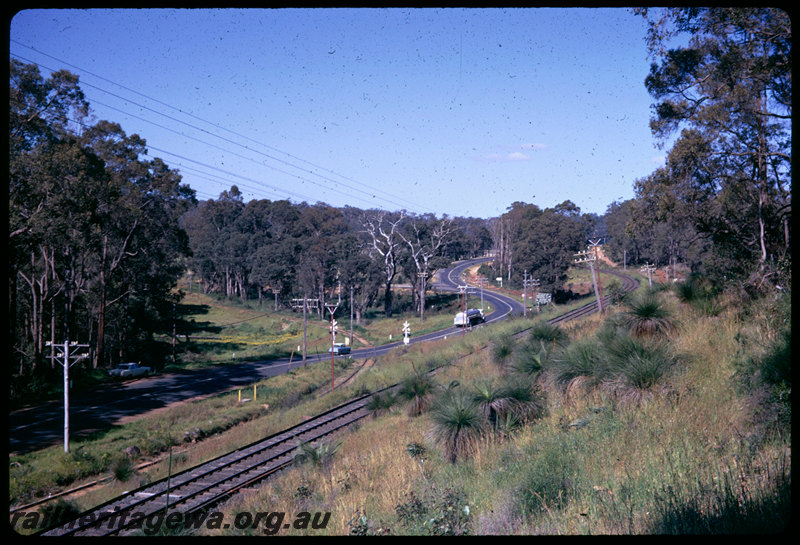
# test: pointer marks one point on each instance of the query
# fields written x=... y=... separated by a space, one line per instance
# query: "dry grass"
x=682 y=455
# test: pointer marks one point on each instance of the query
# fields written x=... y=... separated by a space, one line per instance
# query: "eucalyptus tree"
x=361 y=278
x=546 y=243
x=425 y=238
x=93 y=225
x=385 y=244
x=320 y=229
x=135 y=244
x=39 y=113
x=218 y=245
x=728 y=86
x=272 y=246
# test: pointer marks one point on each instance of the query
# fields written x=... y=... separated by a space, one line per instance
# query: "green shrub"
x=445 y=513
x=549 y=479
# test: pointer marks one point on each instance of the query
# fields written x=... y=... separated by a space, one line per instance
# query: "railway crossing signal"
x=332 y=309
x=406 y=332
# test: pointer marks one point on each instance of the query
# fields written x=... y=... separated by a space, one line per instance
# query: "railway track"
x=198 y=488
x=628 y=284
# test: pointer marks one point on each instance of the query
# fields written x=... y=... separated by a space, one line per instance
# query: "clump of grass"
x=123 y=469
x=549 y=480
x=730 y=501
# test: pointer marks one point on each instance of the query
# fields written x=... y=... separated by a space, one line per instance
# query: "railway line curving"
x=200 y=487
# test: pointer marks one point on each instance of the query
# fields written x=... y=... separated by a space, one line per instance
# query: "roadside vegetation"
x=602 y=426
x=625 y=430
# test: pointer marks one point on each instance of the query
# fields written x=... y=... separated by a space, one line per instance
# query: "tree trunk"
x=387 y=300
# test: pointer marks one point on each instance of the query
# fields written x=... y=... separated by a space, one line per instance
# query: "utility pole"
x=66 y=364
x=595 y=245
x=483 y=280
x=463 y=290
x=534 y=283
x=527 y=282
x=351 y=315
x=174 y=335
x=590 y=257
x=649 y=270
x=524 y=293
x=305 y=303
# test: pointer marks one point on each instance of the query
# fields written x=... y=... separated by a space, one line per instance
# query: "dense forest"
x=99 y=236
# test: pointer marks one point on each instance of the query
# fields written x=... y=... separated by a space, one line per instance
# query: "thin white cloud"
x=513 y=153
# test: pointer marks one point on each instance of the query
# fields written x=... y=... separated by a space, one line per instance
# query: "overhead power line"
x=370 y=191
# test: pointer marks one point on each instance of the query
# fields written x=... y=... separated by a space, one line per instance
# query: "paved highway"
x=40 y=426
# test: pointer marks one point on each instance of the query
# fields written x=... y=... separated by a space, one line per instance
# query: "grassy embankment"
x=685 y=431
x=218 y=423
x=691 y=449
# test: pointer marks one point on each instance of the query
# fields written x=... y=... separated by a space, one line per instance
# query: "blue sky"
x=447 y=111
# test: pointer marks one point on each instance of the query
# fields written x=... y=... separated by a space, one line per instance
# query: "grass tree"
x=457 y=423
x=548 y=334
x=529 y=358
x=638 y=363
x=320 y=456
x=380 y=404
x=582 y=358
x=418 y=391
x=502 y=348
x=647 y=315
x=501 y=404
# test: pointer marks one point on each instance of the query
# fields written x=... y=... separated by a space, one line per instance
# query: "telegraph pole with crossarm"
x=68 y=361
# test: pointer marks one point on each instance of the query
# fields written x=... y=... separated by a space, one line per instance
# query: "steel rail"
x=97 y=516
x=264 y=466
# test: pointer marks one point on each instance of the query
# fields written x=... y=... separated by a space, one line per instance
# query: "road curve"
x=43 y=425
